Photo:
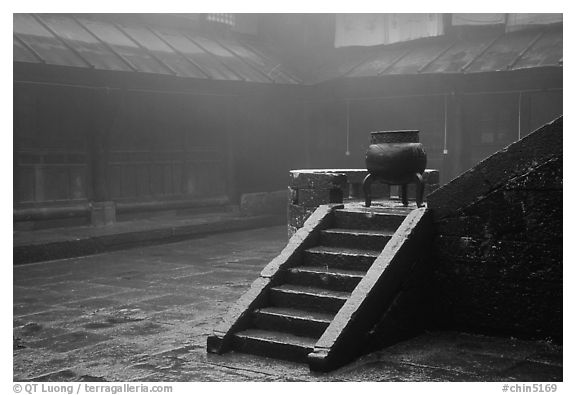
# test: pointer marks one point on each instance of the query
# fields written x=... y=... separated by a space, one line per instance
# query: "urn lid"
x=394 y=136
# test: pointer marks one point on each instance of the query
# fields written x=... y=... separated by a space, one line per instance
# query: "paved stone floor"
x=144 y=315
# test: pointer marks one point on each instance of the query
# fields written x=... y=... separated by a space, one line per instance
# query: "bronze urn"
x=395 y=157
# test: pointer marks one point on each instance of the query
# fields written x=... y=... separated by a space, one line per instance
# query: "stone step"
x=324 y=277
x=340 y=258
x=356 y=238
x=366 y=219
x=273 y=344
x=307 y=298
x=294 y=321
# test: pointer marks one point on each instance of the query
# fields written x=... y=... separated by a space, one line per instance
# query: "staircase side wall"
x=383 y=307
x=491 y=173
x=499 y=252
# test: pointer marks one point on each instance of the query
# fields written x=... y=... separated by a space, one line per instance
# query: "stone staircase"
x=306 y=296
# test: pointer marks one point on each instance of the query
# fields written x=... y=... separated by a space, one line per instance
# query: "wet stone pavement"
x=144 y=315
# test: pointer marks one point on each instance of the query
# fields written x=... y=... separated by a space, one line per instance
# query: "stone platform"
x=310 y=188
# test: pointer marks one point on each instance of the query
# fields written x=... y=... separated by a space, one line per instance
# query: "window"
x=224 y=19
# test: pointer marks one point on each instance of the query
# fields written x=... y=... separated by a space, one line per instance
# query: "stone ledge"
x=75 y=246
x=264 y=203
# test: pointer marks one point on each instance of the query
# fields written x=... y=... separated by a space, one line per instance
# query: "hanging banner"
x=516 y=21
x=377 y=29
x=404 y=27
x=477 y=19
x=360 y=29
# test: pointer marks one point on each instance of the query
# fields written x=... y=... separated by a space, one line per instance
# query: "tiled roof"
x=79 y=41
x=82 y=42
x=536 y=47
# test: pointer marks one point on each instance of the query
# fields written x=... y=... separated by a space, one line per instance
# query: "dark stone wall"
x=499 y=250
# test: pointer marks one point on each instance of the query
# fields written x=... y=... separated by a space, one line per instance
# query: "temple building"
x=122 y=115
x=288 y=197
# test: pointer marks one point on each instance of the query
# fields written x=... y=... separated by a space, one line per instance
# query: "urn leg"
x=405 y=194
x=419 y=190
x=366 y=186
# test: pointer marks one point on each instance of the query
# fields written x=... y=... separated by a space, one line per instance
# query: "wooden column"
x=233 y=128
x=105 y=109
x=453 y=163
x=184 y=135
x=16 y=145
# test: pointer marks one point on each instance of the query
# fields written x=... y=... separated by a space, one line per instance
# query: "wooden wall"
x=167 y=146
x=339 y=126
x=470 y=116
x=50 y=146
x=204 y=139
x=493 y=121
x=159 y=146
x=80 y=144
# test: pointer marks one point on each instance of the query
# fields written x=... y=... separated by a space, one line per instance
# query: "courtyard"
x=144 y=315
